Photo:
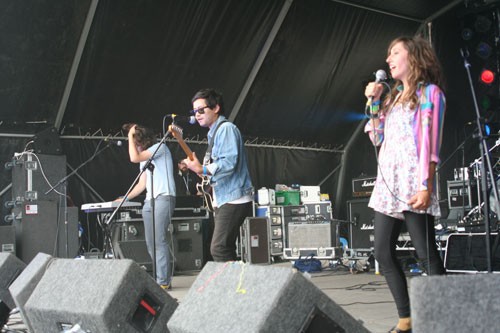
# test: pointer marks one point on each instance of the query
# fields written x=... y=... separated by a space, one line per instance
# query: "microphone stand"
x=483 y=147
x=63 y=180
x=148 y=165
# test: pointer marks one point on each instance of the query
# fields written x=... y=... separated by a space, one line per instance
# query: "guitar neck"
x=186 y=149
x=177 y=133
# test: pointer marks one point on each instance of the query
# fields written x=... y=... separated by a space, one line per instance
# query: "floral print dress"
x=397 y=176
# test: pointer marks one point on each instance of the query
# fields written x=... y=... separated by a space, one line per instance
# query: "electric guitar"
x=204 y=187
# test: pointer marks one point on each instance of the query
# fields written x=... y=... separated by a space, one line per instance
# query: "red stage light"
x=487 y=76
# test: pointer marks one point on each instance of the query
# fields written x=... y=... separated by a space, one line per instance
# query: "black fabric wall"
x=109 y=173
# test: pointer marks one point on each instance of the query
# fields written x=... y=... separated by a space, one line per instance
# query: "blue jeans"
x=164 y=209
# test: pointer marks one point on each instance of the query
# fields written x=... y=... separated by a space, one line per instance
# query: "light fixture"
x=487 y=76
x=483 y=50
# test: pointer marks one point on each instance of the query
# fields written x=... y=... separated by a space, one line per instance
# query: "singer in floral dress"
x=408 y=126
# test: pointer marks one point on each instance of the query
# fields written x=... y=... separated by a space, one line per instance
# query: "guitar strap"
x=208 y=155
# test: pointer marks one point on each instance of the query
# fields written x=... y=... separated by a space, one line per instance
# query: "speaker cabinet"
x=309 y=234
x=455 y=303
x=22 y=288
x=8 y=239
x=10 y=268
x=99 y=296
x=238 y=297
x=361 y=227
x=43 y=228
x=189 y=254
x=47 y=142
x=33 y=173
x=129 y=242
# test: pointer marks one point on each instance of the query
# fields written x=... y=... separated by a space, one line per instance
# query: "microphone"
x=380 y=75
x=189 y=119
x=112 y=142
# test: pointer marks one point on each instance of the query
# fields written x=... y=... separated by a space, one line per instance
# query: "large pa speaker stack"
x=239 y=297
x=39 y=211
x=98 y=296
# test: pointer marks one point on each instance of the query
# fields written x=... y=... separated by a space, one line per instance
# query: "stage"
x=364 y=295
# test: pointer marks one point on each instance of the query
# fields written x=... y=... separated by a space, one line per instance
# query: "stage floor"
x=364 y=295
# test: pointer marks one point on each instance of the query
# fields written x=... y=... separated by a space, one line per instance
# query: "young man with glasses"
x=225 y=166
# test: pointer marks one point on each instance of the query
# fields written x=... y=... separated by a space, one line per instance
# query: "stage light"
x=487 y=129
x=482 y=24
x=467 y=34
x=491 y=128
x=487 y=76
x=485 y=102
x=483 y=50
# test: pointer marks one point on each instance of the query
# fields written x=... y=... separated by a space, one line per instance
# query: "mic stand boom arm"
x=483 y=147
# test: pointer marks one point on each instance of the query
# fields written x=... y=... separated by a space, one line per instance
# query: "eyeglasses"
x=199 y=110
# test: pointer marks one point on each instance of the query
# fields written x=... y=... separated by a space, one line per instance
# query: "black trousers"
x=422 y=234
x=227 y=221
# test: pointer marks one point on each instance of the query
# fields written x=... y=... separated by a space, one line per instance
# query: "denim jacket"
x=230 y=178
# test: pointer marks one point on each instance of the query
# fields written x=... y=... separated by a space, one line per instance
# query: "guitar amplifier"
x=310 y=238
x=363 y=187
x=361 y=227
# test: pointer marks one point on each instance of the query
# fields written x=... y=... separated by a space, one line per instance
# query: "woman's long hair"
x=424 y=67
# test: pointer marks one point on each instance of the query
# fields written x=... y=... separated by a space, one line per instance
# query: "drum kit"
x=472 y=177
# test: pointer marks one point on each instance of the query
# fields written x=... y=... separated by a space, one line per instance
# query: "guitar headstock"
x=176 y=131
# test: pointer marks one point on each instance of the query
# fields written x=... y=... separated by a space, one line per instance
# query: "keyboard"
x=108 y=206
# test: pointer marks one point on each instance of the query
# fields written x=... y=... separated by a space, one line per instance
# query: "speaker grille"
x=303 y=235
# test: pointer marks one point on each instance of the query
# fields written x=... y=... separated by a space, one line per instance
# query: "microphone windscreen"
x=380 y=75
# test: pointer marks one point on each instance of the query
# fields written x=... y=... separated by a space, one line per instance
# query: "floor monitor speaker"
x=22 y=288
x=10 y=268
x=455 y=303
x=239 y=297
x=99 y=296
